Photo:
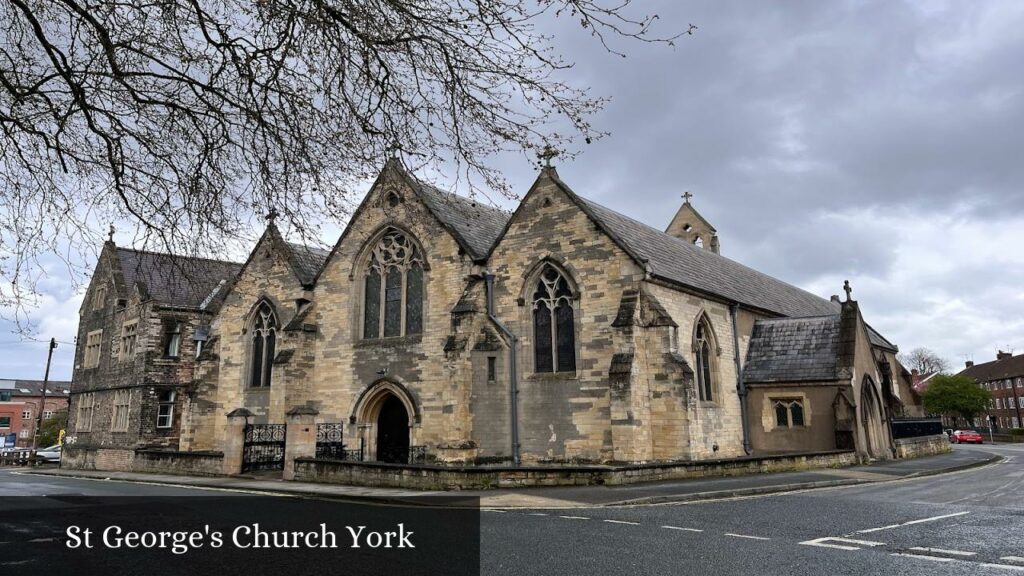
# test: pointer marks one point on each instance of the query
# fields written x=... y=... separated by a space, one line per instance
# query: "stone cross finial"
x=686 y=196
x=847 y=289
x=271 y=215
x=547 y=154
x=110 y=233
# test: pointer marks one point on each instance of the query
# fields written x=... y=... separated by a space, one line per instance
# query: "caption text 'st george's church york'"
x=451 y=332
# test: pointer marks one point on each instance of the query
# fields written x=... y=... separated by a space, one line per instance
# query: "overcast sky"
x=879 y=142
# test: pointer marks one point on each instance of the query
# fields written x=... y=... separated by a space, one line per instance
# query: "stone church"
x=439 y=330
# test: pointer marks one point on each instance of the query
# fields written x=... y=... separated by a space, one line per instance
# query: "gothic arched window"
x=702 y=352
x=553 y=325
x=393 y=295
x=263 y=346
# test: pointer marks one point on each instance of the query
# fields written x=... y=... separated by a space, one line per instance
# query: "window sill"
x=554 y=376
x=257 y=388
x=389 y=341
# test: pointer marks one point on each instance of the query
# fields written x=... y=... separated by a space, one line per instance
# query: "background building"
x=1004 y=378
x=20 y=404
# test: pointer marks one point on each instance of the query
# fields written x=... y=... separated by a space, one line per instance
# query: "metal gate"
x=264 y=447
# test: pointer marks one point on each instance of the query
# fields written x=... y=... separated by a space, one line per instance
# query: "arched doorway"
x=871 y=420
x=393 y=431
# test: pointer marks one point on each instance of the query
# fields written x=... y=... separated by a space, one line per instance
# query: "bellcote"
x=690 y=226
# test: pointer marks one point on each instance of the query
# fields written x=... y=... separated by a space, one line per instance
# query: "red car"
x=961 y=436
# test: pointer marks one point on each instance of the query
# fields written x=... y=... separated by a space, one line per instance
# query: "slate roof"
x=306 y=260
x=793 y=350
x=880 y=341
x=475 y=226
x=55 y=388
x=1011 y=367
x=678 y=261
x=176 y=280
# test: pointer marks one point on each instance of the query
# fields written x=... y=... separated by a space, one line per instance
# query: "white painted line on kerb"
x=932 y=519
x=841 y=543
x=683 y=529
x=923 y=557
x=1013 y=558
x=944 y=551
x=575 y=517
x=622 y=522
x=746 y=536
x=1005 y=567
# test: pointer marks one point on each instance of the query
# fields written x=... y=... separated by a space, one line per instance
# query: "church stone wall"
x=718 y=422
x=347 y=367
x=268 y=275
x=564 y=416
x=818 y=431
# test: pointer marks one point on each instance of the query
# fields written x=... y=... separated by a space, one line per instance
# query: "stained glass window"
x=702 y=348
x=264 y=341
x=553 y=323
x=394 y=306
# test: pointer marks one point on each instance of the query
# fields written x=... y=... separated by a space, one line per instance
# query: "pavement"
x=573 y=496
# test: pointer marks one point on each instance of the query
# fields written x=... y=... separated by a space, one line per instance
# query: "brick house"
x=20 y=412
x=563 y=332
x=1004 y=378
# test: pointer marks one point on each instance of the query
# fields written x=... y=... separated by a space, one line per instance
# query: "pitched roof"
x=1011 y=367
x=176 y=280
x=306 y=260
x=793 y=350
x=879 y=340
x=475 y=226
x=680 y=262
x=55 y=388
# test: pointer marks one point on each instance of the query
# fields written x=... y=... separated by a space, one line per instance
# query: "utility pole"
x=42 y=403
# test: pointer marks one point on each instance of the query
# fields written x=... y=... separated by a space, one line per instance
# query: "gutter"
x=513 y=382
x=741 y=386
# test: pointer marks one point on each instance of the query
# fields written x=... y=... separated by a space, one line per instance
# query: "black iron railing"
x=330 y=440
x=915 y=427
x=263 y=448
x=417 y=454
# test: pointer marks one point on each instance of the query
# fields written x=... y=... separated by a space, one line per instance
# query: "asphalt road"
x=969 y=522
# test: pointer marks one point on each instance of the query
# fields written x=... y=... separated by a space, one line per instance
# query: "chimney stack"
x=835 y=298
x=1003 y=355
x=969 y=363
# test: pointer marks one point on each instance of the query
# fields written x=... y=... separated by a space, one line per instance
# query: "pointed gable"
x=678 y=262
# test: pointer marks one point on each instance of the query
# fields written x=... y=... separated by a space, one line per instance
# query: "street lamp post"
x=42 y=403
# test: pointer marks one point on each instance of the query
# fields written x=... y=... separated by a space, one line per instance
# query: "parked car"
x=968 y=436
x=49 y=454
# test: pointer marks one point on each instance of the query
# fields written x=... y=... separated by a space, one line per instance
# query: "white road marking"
x=923 y=557
x=495 y=511
x=575 y=517
x=932 y=519
x=1013 y=559
x=538 y=514
x=622 y=522
x=944 y=551
x=746 y=536
x=844 y=543
x=683 y=529
x=42 y=540
x=1004 y=567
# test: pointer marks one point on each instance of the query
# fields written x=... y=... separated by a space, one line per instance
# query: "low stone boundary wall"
x=142 y=460
x=174 y=462
x=433 y=477
x=922 y=446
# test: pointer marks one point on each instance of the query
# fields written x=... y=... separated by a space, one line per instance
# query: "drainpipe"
x=513 y=382
x=741 y=386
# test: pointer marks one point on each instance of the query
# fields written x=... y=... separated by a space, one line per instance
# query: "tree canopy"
x=955 y=396
x=187 y=119
x=924 y=360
